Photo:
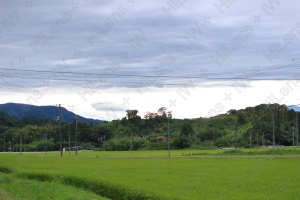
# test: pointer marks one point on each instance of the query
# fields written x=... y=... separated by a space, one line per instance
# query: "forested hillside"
x=20 y=111
x=237 y=128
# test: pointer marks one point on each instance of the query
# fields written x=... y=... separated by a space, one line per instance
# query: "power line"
x=221 y=80
x=155 y=83
x=275 y=67
x=246 y=76
x=103 y=74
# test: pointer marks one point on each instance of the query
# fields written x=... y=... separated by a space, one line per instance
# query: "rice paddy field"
x=188 y=174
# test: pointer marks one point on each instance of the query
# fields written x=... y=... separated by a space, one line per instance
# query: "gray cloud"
x=108 y=106
x=161 y=40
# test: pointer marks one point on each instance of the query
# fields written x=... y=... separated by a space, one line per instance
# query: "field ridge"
x=100 y=188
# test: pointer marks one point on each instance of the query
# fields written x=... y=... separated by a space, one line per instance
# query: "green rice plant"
x=5 y=170
x=23 y=189
x=122 y=175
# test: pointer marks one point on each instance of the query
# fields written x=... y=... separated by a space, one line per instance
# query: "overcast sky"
x=197 y=58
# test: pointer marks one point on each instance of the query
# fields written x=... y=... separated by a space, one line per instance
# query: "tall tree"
x=131 y=114
x=187 y=129
x=162 y=112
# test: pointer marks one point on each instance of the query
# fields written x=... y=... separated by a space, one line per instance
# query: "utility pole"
x=235 y=135
x=297 y=139
x=250 y=138
x=9 y=146
x=4 y=144
x=131 y=143
x=104 y=143
x=272 y=110
x=20 y=143
x=60 y=145
x=169 y=138
x=46 y=142
x=293 y=128
x=256 y=139
x=76 y=118
x=69 y=139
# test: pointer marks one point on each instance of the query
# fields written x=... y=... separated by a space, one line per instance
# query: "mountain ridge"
x=294 y=107
x=43 y=112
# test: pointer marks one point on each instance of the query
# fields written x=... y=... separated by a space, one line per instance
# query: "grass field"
x=209 y=174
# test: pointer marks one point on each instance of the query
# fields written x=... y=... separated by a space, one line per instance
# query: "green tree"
x=187 y=129
x=131 y=114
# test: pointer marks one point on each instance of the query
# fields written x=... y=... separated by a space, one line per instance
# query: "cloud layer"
x=83 y=48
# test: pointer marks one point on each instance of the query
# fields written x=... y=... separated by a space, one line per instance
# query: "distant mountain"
x=42 y=112
x=293 y=107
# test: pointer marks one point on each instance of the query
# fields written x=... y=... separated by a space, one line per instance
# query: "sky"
x=196 y=58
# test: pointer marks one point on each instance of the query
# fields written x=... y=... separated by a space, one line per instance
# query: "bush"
x=181 y=143
x=157 y=145
x=124 y=144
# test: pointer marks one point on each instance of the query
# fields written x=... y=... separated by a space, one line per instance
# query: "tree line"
x=249 y=127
